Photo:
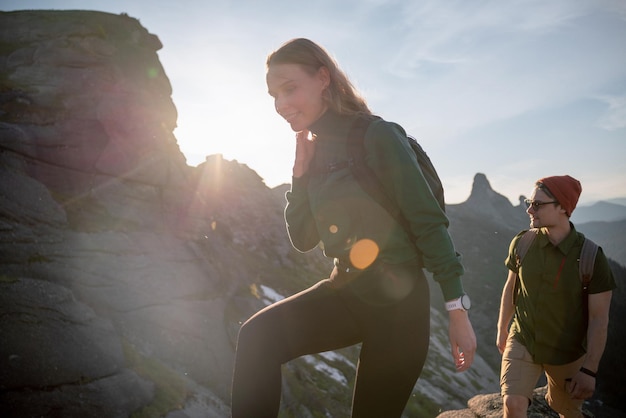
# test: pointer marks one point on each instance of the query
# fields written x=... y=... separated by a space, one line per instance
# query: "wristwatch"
x=463 y=303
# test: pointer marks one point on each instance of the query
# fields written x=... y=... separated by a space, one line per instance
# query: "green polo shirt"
x=333 y=209
x=548 y=316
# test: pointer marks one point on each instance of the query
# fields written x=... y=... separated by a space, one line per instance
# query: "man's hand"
x=581 y=386
x=462 y=339
x=503 y=336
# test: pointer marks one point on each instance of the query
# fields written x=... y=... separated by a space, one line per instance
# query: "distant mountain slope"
x=618 y=201
x=600 y=211
x=611 y=236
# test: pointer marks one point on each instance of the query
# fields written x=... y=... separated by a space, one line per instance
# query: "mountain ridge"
x=604 y=211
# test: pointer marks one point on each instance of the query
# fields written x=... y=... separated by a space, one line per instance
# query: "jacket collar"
x=331 y=123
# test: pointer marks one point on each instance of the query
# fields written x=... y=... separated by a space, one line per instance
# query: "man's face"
x=542 y=213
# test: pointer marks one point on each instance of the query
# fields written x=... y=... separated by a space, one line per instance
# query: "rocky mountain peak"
x=481 y=185
x=485 y=203
x=483 y=195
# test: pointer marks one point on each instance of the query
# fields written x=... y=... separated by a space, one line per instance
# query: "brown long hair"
x=340 y=96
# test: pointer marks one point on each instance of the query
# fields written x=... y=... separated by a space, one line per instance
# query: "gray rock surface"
x=99 y=246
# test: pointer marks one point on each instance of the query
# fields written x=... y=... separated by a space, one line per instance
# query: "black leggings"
x=386 y=308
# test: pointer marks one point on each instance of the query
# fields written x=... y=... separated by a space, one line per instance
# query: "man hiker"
x=549 y=321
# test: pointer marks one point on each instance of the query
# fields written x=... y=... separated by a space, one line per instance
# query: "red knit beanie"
x=565 y=189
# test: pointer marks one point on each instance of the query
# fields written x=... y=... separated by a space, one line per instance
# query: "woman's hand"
x=462 y=340
x=305 y=149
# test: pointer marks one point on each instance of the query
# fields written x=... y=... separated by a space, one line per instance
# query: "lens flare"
x=363 y=253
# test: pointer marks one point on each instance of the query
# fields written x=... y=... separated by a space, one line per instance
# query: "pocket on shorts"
x=514 y=349
x=512 y=360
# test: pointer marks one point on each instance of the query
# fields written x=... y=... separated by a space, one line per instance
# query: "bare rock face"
x=124 y=273
x=77 y=86
x=35 y=310
x=55 y=342
x=99 y=245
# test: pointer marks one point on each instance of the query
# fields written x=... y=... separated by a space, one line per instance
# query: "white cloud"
x=615 y=116
x=463 y=65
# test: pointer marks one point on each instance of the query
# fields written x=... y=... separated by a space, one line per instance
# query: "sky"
x=516 y=90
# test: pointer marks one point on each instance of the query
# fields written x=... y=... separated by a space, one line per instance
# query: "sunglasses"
x=536 y=204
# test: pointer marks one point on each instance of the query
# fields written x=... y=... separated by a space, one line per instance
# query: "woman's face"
x=297 y=94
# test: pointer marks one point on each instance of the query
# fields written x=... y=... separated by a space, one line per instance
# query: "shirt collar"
x=564 y=246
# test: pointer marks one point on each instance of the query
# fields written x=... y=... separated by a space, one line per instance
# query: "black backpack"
x=369 y=181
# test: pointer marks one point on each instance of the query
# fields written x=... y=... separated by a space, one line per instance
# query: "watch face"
x=465 y=302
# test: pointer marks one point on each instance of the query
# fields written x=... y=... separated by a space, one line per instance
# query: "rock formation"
x=107 y=245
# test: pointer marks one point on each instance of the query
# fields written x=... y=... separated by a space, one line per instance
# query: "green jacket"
x=548 y=318
x=331 y=208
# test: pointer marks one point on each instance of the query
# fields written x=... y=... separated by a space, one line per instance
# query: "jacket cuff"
x=452 y=289
x=299 y=183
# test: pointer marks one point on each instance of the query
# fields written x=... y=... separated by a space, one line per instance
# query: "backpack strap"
x=586 y=264
x=587 y=261
x=523 y=244
x=364 y=175
x=521 y=248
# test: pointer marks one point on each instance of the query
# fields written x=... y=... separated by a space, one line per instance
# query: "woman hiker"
x=377 y=293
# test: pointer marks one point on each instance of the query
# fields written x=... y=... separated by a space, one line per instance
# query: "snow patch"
x=334 y=356
x=320 y=366
x=270 y=295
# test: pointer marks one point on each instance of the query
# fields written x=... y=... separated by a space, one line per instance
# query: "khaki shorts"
x=519 y=376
